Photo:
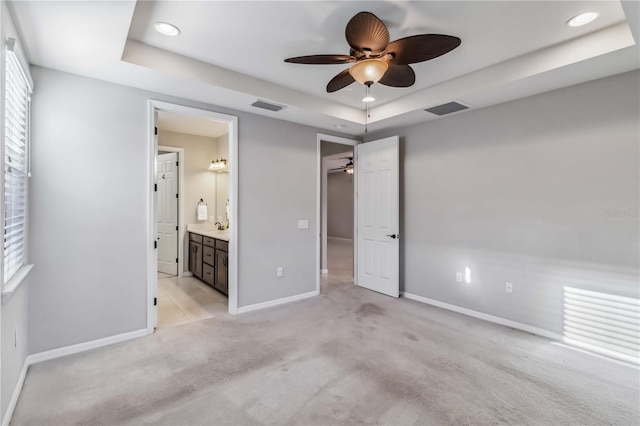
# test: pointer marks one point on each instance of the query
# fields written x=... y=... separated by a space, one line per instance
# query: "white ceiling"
x=191 y=125
x=231 y=53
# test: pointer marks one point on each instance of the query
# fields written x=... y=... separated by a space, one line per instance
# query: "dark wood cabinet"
x=209 y=260
x=195 y=258
x=222 y=271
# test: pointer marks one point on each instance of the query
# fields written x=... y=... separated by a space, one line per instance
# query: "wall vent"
x=267 y=105
x=447 y=108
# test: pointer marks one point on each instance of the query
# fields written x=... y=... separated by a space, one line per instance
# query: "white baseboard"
x=480 y=315
x=277 y=302
x=60 y=352
x=324 y=271
x=86 y=346
x=16 y=394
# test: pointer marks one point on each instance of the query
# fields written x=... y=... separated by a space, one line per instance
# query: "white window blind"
x=16 y=163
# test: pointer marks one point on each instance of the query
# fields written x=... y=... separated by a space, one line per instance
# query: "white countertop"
x=209 y=231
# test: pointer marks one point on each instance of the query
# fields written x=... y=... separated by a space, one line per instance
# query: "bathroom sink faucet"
x=220 y=227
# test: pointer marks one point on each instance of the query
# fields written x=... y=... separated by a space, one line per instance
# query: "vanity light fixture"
x=582 y=19
x=219 y=165
x=167 y=29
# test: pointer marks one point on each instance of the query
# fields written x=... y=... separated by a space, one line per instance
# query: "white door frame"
x=321 y=205
x=182 y=227
x=152 y=150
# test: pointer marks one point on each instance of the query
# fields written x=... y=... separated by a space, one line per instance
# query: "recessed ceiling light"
x=167 y=29
x=339 y=126
x=582 y=19
x=368 y=99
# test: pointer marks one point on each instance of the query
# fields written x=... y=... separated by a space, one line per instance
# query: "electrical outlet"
x=459 y=277
x=303 y=224
x=280 y=271
x=509 y=288
x=212 y=218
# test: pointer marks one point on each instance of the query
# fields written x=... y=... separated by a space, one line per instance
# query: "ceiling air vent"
x=267 y=105
x=447 y=108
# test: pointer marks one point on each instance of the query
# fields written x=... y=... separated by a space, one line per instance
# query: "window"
x=16 y=161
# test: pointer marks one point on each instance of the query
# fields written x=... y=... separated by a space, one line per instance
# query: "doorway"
x=336 y=211
x=193 y=205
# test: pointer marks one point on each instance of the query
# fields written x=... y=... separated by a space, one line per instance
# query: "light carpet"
x=347 y=356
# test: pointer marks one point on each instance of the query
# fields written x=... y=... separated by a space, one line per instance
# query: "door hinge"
x=176 y=260
x=177 y=164
x=155 y=244
x=176 y=227
x=155 y=187
x=155 y=301
x=155 y=130
x=176 y=195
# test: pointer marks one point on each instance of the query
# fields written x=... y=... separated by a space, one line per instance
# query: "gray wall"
x=89 y=243
x=13 y=313
x=523 y=192
x=340 y=205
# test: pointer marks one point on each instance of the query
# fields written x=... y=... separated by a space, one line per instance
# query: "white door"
x=378 y=206
x=167 y=212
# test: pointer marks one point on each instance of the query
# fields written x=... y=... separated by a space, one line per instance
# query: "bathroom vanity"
x=209 y=257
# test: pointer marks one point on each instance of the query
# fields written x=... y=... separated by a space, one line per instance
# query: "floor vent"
x=603 y=323
x=447 y=108
x=267 y=105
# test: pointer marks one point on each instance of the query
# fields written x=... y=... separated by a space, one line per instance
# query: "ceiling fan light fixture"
x=349 y=167
x=167 y=29
x=368 y=71
x=368 y=99
x=582 y=19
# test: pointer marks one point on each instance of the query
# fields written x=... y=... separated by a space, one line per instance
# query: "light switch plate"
x=303 y=224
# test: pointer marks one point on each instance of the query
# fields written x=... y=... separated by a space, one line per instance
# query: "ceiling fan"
x=348 y=168
x=375 y=59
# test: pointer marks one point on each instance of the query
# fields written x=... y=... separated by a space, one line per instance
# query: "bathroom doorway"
x=194 y=275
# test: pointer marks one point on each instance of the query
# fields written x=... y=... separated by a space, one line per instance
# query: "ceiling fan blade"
x=365 y=32
x=340 y=81
x=420 y=48
x=398 y=76
x=321 y=59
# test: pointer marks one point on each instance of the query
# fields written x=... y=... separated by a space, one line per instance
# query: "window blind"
x=16 y=168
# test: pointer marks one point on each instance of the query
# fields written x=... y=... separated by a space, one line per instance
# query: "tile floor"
x=186 y=299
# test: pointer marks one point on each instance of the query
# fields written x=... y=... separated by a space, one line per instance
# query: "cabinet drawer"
x=208 y=254
x=195 y=237
x=222 y=245
x=207 y=241
x=207 y=274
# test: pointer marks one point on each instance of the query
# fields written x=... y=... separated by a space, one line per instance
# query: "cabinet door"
x=222 y=261
x=192 y=257
x=195 y=259
x=208 y=274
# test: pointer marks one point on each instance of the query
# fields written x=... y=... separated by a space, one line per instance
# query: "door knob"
x=394 y=236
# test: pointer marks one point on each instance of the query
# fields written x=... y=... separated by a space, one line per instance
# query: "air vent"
x=267 y=105
x=447 y=108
